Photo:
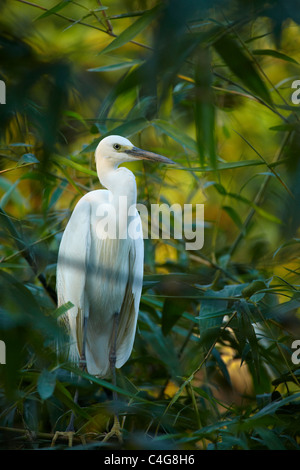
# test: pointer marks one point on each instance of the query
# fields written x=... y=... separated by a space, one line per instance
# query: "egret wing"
x=72 y=267
x=130 y=307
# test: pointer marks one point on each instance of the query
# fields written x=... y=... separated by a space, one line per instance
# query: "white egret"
x=102 y=273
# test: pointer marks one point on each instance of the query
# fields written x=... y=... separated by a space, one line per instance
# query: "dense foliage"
x=208 y=84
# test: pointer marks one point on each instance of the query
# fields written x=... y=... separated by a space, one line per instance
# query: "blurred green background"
x=209 y=85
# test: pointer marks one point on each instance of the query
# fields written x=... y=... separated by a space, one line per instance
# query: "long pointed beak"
x=141 y=154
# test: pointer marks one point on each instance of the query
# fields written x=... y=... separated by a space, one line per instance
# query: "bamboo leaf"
x=277 y=54
x=114 y=67
x=59 y=6
x=62 y=309
x=132 y=31
x=76 y=166
x=234 y=216
x=176 y=134
x=242 y=66
x=127 y=129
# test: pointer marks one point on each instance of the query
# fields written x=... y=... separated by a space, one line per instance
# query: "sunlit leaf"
x=113 y=67
x=176 y=134
x=126 y=130
x=274 y=53
x=59 y=6
x=132 y=31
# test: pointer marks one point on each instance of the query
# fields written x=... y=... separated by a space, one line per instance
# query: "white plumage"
x=102 y=275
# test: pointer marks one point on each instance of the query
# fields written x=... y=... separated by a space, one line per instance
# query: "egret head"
x=118 y=150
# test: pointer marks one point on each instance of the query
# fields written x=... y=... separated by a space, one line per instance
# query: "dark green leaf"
x=242 y=66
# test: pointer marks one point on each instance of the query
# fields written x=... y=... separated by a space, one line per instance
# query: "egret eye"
x=117 y=146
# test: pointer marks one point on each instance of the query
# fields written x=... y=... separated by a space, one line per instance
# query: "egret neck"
x=123 y=192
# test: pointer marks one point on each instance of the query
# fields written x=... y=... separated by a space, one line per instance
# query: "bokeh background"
x=209 y=85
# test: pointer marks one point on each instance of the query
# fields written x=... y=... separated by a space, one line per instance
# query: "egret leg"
x=116 y=429
x=70 y=430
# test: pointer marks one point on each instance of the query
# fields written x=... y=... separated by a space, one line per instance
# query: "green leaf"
x=11 y=192
x=133 y=30
x=230 y=166
x=204 y=108
x=263 y=213
x=234 y=216
x=176 y=134
x=62 y=309
x=57 y=193
x=253 y=287
x=270 y=439
x=28 y=158
x=68 y=178
x=59 y=6
x=76 y=116
x=172 y=311
x=126 y=130
x=114 y=67
x=46 y=384
x=249 y=333
x=242 y=66
x=211 y=317
x=272 y=53
x=76 y=166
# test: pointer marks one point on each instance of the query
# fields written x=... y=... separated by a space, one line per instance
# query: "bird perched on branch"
x=100 y=264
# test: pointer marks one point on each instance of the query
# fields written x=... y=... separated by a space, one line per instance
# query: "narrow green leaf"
x=211 y=317
x=263 y=213
x=231 y=165
x=28 y=158
x=270 y=439
x=11 y=192
x=126 y=130
x=250 y=335
x=76 y=166
x=172 y=311
x=59 y=6
x=57 y=193
x=272 y=53
x=113 y=67
x=76 y=116
x=133 y=30
x=242 y=66
x=62 y=309
x=204 y=108
x=176 y=134
x=234 y=216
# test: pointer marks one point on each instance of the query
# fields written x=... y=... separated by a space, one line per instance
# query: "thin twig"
x=257 y=200
x=107 y=21
x=37 y=434
x=18 y=167
x=71 y=20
